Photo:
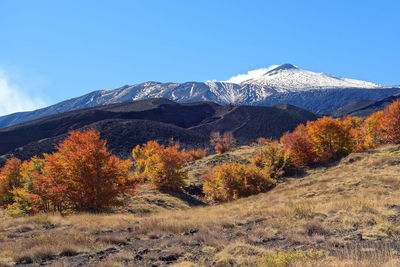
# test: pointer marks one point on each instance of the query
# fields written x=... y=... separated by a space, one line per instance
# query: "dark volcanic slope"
x=364 y=108
x=128 y=124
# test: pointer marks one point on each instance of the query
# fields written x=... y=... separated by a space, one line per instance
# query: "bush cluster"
x=328 y=139
x=83 y=176
x=321 y=141
x=163 y=166
x=80 y=176
x=222 y=143
x=233 y=180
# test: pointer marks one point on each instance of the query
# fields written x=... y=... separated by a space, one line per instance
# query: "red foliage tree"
x=299 y=146
x=83 y=175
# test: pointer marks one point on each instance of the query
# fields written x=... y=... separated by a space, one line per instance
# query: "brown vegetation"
x=222 y=143
x=163 y=165
x=80 y=176
x=232 y=181
x=343 y=215
x=334 y=215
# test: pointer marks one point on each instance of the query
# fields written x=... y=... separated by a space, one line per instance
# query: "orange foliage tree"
x=163 y=166
x=167 y=173
x=82 y=175
x=330 y=138
x=222 y=143
x=390 y=122
x=355 y=126
x=193 y=155
x=298 y=145
x=10 y=179
x=233 y=180
x=372 y=130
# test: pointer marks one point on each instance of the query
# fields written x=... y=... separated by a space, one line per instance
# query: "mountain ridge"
x=363 y=108
x=125 y=125
x=283 y=84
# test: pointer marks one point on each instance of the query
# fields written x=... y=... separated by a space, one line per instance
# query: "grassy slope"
x=349 y=211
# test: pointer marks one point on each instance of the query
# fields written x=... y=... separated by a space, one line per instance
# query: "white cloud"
x=13 y=99
x=250 y=75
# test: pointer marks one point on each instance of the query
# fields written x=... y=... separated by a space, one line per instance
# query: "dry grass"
x=239 y=254
x=44 y=246
x=328 y=209
x=149 y=201
x=241 y=154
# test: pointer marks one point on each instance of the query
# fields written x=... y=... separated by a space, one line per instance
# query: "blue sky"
x=54 y=50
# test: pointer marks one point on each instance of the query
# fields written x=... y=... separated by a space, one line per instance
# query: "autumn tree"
x=193 y=155
x=25 y=199
x=390 y=122
x=144 y=160
x=163 y=166
x=83 y=175
x=355 y=126
x=222 y=143
x=10 y=179
x=167 y=173
x=233 y=180
x=330 y=138
x=22 y=203
x=372 y=130
x=298 y=145
x=31 y=170
x=273 y=159
x=263 y=141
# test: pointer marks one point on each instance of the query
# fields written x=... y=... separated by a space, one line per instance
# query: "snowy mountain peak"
x=276 y=84
x=290 y=78
x=283 y=67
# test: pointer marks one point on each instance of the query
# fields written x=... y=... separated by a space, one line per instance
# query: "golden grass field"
x=344 y=214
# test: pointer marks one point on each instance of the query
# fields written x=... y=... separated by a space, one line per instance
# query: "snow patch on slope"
x=288 y=78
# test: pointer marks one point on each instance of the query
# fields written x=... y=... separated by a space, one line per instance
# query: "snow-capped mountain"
x=289 y=78
x=287 y=84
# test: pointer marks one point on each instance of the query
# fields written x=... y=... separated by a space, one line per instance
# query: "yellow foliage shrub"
x=231 y=181
x=273 y=159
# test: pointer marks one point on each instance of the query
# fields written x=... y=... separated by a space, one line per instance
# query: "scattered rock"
x=25 y=260
x=143 y=251
x=172 y=257
x=191 y=232
x=111 y=250
x=68 y=253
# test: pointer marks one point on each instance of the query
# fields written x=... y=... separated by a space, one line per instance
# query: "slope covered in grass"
x=345 y=214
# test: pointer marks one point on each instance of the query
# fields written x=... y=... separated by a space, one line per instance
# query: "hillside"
x=363 y=108
x=126 y=125
x=287 y=84
x=348 y=213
